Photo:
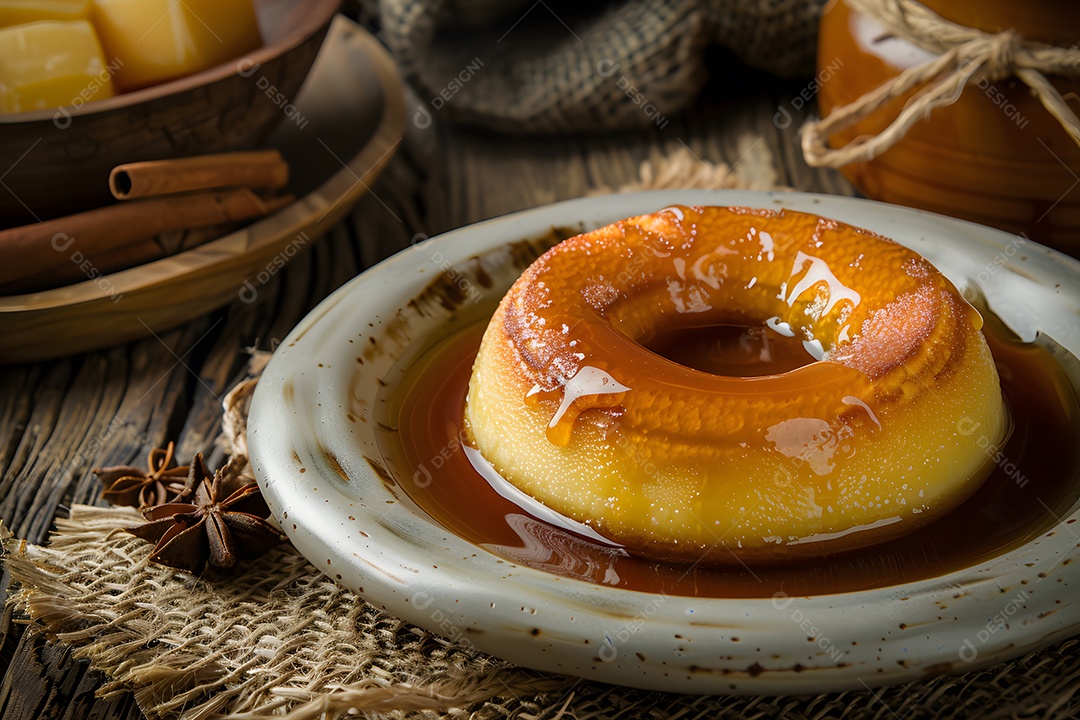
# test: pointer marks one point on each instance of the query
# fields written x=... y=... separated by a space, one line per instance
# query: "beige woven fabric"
x=283 y=639
x=755 y=170
x=527 y=66
x=279 y=635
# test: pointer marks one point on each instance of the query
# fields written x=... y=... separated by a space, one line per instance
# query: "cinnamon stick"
x=261 y=169
x=68 y=271
x=33 y=249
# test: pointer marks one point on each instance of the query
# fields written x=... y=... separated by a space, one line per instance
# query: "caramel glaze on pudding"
x=866 y=441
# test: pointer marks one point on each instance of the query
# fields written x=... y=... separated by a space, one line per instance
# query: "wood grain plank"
x=46 y=400
x=45 y=682
x=25 y=690
x=15 y=411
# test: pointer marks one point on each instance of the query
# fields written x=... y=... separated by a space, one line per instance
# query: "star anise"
x=127 y=485
x=212 y=528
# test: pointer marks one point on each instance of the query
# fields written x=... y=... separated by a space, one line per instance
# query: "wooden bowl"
x=56 y=162
x=354 y=103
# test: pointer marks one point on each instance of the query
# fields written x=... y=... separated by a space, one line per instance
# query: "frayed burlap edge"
x=277 y=639
x=681 y=168
x=282 y=640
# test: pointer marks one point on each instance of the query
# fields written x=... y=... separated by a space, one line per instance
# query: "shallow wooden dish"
x=354 y=108
x=57 y=162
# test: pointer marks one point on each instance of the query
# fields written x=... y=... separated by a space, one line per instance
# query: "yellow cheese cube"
x=20 y=12
x=48 y=64
x=158 y=40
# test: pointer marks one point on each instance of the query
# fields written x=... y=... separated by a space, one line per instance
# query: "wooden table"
x=60 y=419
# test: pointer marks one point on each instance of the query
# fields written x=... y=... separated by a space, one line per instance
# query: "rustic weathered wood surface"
x=60 y=419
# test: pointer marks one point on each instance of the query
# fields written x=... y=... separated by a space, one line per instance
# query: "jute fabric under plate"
x=281 y=637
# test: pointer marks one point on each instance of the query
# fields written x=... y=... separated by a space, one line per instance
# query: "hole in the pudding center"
x=731 y=350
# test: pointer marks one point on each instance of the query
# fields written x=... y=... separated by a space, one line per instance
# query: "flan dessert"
x=865 y=437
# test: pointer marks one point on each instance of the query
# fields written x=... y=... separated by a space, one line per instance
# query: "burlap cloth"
x=281 y=639
x=527 y=66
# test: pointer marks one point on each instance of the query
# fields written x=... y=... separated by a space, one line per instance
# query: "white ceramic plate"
x=321 y=472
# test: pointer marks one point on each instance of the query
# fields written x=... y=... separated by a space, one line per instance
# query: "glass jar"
x=995 y=156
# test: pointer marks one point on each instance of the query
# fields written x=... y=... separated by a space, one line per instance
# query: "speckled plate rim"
x=311 y=456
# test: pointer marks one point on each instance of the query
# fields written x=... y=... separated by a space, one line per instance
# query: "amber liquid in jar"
x=994 y=155
x=1034 y=481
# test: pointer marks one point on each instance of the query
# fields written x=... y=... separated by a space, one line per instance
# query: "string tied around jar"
x=963 y=55
x=1002 y=58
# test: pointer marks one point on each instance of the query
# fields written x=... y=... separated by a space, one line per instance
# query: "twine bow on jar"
x=964 y=55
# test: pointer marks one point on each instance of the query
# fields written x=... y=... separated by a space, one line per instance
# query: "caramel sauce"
x=1036 y=479
x=833 y=286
